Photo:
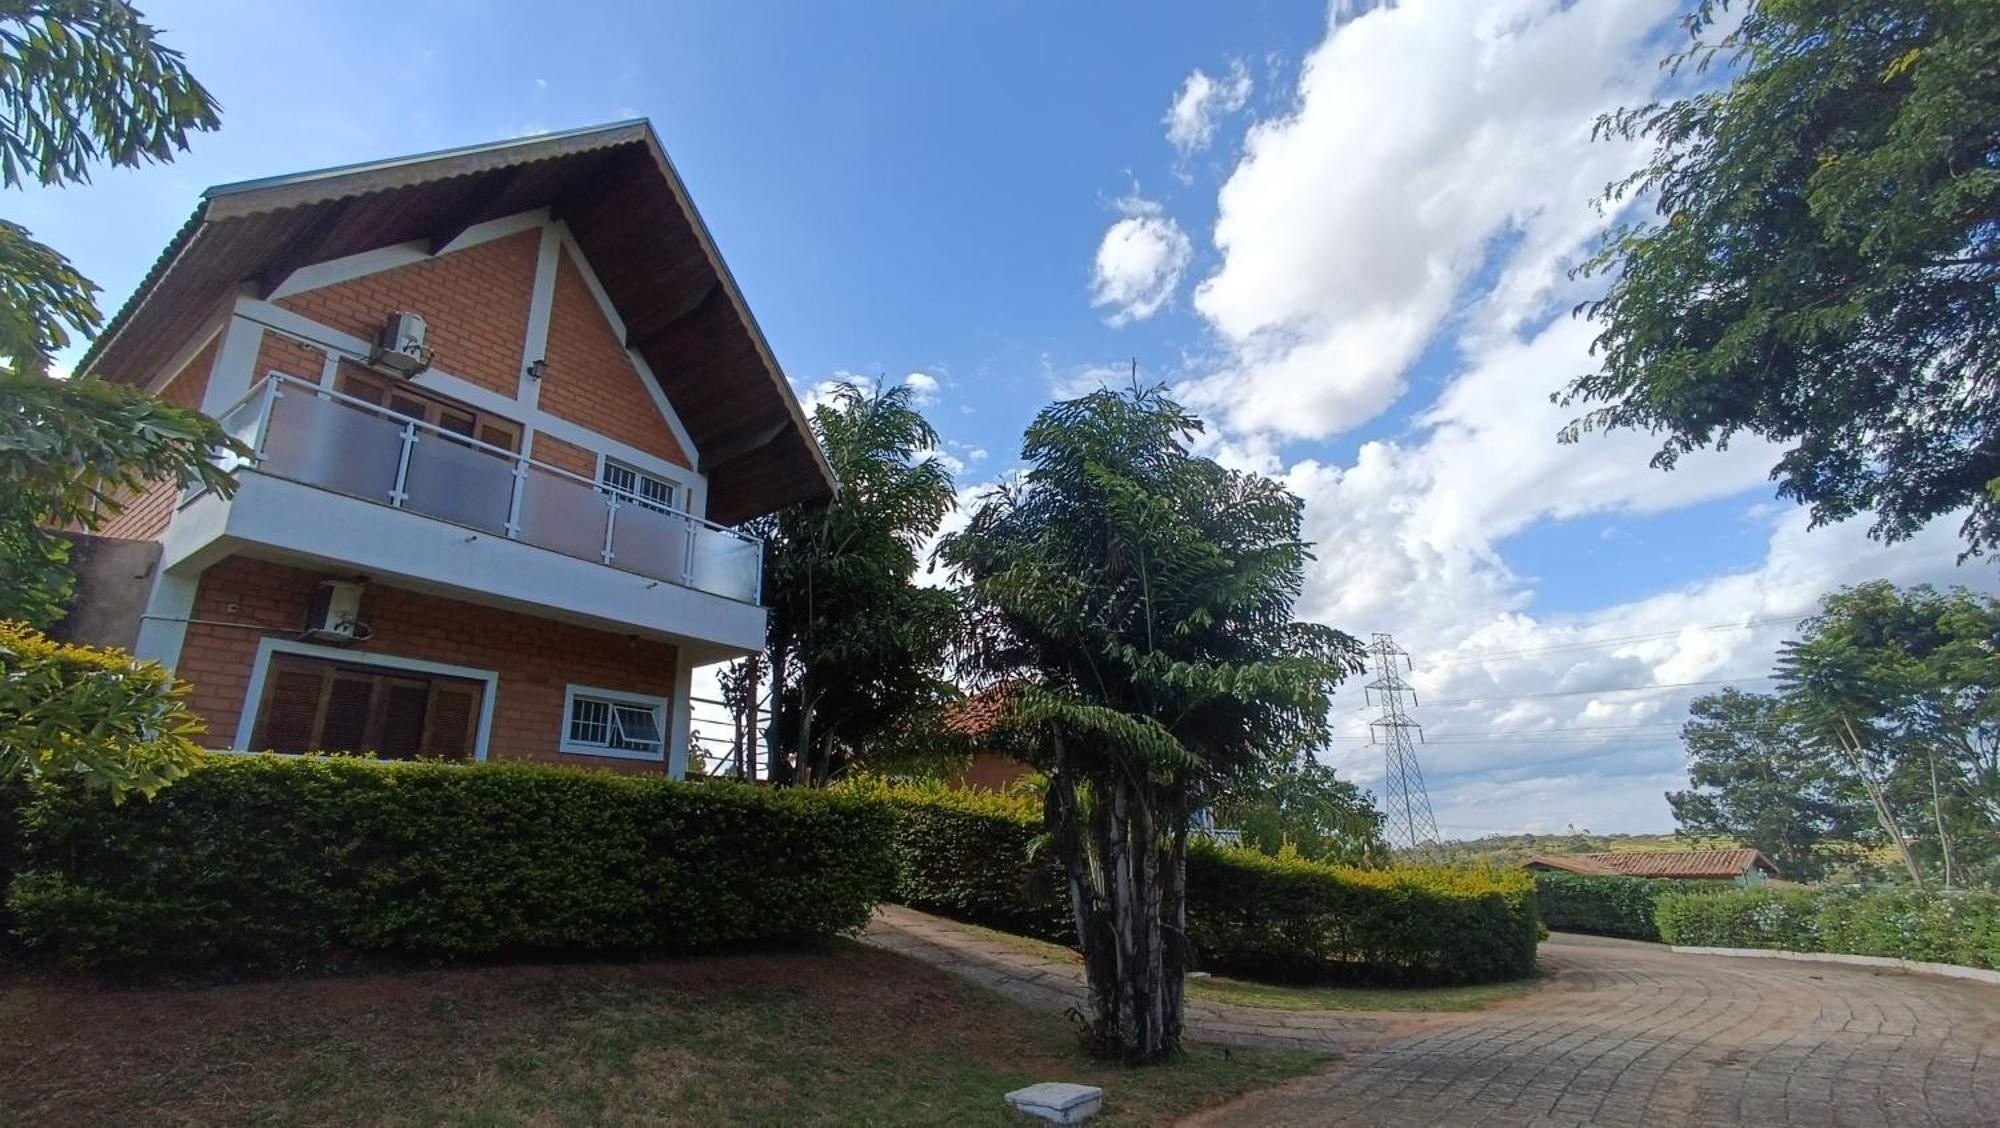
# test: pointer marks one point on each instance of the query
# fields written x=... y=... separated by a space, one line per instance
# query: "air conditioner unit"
x=400 y=349
x=334 y=612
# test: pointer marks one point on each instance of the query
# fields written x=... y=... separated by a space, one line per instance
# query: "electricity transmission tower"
x=1406 y=805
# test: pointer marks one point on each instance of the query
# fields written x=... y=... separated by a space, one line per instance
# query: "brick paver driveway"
x=1633 y=1034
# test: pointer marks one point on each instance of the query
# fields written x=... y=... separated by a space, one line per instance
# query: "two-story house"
x=505 y=405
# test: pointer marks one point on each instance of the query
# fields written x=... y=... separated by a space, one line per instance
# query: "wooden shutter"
x=291 y=708
x=350 y=702
x=454 y=720
x=405 y=702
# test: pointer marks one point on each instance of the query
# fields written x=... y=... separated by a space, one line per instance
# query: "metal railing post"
x=610 y=526
x=687 y=556
x=514 y=502
x=398 y=493
x=271 y=397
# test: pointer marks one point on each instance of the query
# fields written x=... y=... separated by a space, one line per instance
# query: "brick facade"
x=474 y=304
x=591 y=381
x=277 y=353
x=536 y=659
x=146 y=514
x=565 y=456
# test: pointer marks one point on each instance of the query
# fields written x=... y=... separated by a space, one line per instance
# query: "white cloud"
x=1139 y=263
x=1201 y=104
x=1427 y=190
x=1429 y=143
x=924 y=385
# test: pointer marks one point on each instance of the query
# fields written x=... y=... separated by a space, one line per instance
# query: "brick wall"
x=474 y=303
x=536 y=659
x=565 y=456
x=590 y=381
x=146 y=513
x=282 y=354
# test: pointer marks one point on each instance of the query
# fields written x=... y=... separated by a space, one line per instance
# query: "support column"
x=682 y=719
x=163 y=625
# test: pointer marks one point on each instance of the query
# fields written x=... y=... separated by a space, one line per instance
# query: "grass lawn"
x=1301 y=997
x=848 y=1036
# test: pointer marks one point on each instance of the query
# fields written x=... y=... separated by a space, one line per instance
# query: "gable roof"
x=1692 y=864
x=628 y=209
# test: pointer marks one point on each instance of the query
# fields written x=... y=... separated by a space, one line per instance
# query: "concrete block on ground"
x=1058 y=1102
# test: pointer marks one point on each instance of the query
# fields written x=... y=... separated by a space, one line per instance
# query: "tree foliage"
x=96 y=716
x=1140 y=598
x=1901 y=686
x=856 y=646
x=80 y=81
x=1822 y=267
x=1300 y=805
x=1758 y=778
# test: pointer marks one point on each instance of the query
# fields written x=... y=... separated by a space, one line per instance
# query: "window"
x=323 y=705
x=404 y=399
x=638 y=487
x=604 y=723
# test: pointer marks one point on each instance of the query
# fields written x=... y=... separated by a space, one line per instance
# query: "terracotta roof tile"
x=1689 y=864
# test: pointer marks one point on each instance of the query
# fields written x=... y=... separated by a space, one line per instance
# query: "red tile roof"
x=977 y=716
x=1706 y=865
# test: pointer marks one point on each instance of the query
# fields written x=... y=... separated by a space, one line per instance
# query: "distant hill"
x=1513 y=849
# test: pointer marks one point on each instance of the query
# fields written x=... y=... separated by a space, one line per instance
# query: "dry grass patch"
x=847 y=1036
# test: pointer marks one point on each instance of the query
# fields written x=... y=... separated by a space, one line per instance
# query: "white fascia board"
x=361 y=265
x=273 y=518
x=465 y=391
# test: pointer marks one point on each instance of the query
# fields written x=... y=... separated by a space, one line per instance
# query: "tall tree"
x=1759 y=778
x=80 y=81
x=856 y=646
x=1301 y=804
x=1822 y=267
x=1903 y=684
x=1140 y=598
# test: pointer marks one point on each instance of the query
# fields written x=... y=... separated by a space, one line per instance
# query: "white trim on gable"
x=246 y=726
x=361 y=265
x=541 y=301
x=259 y=315
x=179 y=362
x=617 y=323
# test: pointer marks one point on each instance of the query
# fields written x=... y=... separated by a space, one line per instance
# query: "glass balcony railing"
x=308 y=434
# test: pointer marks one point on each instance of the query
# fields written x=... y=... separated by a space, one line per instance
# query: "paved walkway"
x=1624 y=1034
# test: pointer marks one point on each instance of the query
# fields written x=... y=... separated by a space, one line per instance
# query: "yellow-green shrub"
x=89 y=714
x=1954 y=926
x=282 y=861
x=980 y=857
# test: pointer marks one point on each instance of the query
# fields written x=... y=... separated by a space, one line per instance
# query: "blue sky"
x=1343 y=234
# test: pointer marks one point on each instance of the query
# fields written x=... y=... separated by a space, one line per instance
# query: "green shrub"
x=1956 y=927
x=96 y=715
x=1607 y=906
x=280 y=861
x=978 y=857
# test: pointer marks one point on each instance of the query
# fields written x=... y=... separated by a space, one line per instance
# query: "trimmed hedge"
x=270 y=861
x=1956 y=927
x=1607 y=906
x=979 y=857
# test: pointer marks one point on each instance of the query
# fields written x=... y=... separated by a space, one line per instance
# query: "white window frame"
x=637 y=494
x=662 y=709
x=246 y=725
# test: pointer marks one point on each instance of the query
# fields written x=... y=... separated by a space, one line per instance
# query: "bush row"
x=1955 y=927
x=982 y=857
x=287 y=861
x=1606 y=906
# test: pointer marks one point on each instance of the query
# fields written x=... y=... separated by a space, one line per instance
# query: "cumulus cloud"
x=924 y=386
x=1201 y=104
x=1424 y=197
x=1139 y=263
x=1429 y=144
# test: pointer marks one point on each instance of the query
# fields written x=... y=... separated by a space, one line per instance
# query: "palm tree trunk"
x=1134 y=971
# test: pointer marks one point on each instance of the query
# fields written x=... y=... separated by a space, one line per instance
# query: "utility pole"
x=1406 y=805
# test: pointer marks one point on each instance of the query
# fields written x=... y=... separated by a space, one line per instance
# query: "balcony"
x=495 y=527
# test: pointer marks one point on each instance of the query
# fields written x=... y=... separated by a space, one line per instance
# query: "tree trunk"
x=1134 y=969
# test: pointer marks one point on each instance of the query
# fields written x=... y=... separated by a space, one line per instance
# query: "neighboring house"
x=1744 y=867
x=508 y=539
x=974 y=720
